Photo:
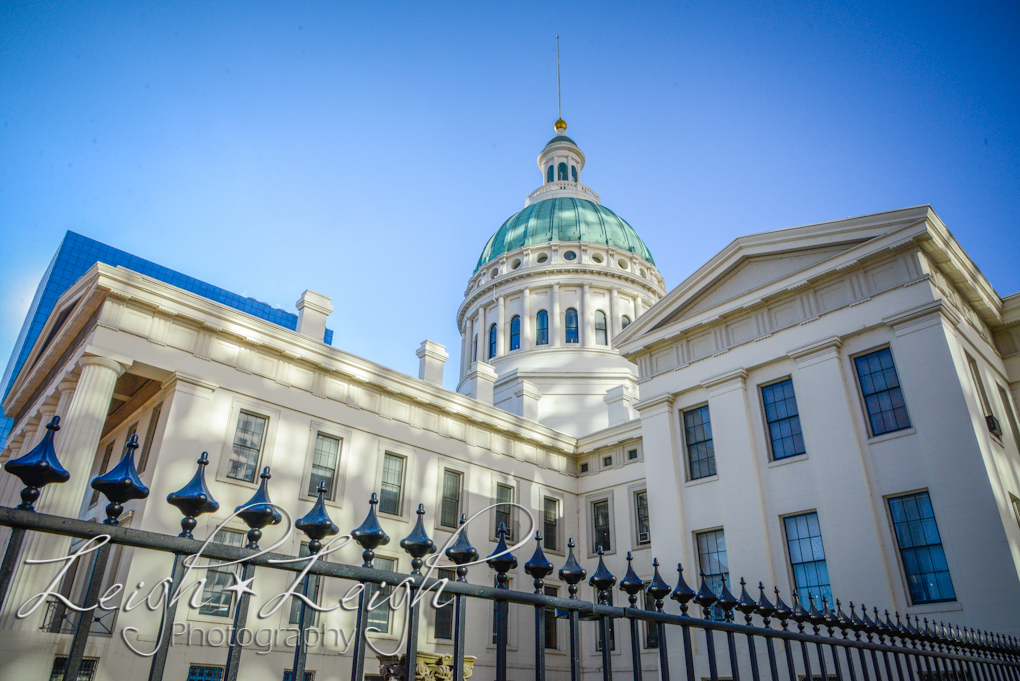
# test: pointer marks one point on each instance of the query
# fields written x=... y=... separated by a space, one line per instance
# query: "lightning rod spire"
x=559 y=95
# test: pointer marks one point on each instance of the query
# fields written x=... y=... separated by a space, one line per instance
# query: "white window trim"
x=864 y=416
x=391 y=447
x=212 y=523
x=502 y=479
x=272 y=415
x=632 y=491
x=589 y=504
x=894 y=543
x=610 y=454
x=443 y=464
x=698 y=567
x=626 y=453
x=683 y=443
x=765 y=422
x=791 y=579
x=560 y=649
x=430 y=614
x=340 y=476
x=539 y=503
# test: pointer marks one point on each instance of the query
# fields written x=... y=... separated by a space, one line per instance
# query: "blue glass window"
x=492 y=341
x=542 y=328
x=573 y=172
x=601 y=334
x=924 y=561
x=880 y=386
x=204 y=672
x=713 y=562
x=549 y=175
x=515 y=333
x=807 y=557
x=571 y=325
x=625 y=321
x=248 y=439
x=783 y=419
x=698 y=435
x=561 y=171
x=288 y=675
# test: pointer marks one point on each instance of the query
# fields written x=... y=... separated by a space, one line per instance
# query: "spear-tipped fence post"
x=36 y=469
x=632 y=585
x=845 y=623
x=502 y=561
x=257 y=513
x=706 y=598
x=784 y=613
x=418 y=545
x=658 y=589
x=460 y=552
x=119 y=485
x=767 y=610
x=370 y=536
x=572 y=573
x=727 y=602
x=539 y=568
x=747 y=607
x=684 y=594
x=192 y=500
x=602 y=580
x=817 y=619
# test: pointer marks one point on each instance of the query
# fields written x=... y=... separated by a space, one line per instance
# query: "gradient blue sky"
x=368 y=152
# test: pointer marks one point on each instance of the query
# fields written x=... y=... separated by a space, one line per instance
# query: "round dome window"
x=570 y=255
x=516 y=264
x=543 y=258
x=623 y=264
x=643 y=273
x=494 y=273
x=597 y=258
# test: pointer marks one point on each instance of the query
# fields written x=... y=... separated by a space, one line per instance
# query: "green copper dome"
x=564 y=219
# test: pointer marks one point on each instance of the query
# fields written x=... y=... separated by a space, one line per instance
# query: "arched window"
x=625 y=322
x=601 y=336
x=492 y=341
x=474 y=348
x=573 y=172
x=542 y=324
x=515 y=333
x=571 y=325
x=549 y=175
x=561 y=170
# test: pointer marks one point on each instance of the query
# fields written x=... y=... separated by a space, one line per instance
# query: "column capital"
x=68 y=384
x=97 y=360
x=731 y=380
x=827 y=348
x=655 y=405
x=192 y=385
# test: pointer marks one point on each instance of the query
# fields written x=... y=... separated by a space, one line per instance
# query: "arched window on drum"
x=492 y=341
x=561 y=170
x=515 y=333
x=571 y=325
x=542 y=328
x=601 y=332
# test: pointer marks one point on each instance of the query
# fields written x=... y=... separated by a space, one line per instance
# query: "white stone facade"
x=584 y=426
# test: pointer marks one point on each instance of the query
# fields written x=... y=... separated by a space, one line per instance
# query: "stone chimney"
x=527 y=395
x=619 y=401
x=313 y=309
x=431 y=356
x=480 y=380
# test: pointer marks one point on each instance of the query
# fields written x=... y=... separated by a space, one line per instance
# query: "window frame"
x=498 y=481
x=273 y=416
x=899 y=550
x=515 y=333
x=315 y=428
x=687 y=447
x=540 y=329
x=407 y=453
x=869 y=429
x=557 y=523
x=208 y=616
x=634 y=492
x=433 y=636
x=767 y=425
x=589 y=507
x=444 y=466
x=493 y=341
x=393 y=622
x=567 y=328
x=700 y=562
x=789 y=556
x=311 y=614
x=600 y=315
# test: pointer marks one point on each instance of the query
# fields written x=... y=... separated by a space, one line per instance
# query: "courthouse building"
x=829 y=409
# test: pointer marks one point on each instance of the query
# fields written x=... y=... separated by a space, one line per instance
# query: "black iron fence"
x=831 y=642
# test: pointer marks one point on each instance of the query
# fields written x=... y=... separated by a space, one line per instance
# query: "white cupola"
x=561 y=162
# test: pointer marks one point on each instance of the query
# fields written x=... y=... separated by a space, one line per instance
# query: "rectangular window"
x=445 y=613
x=248 y=440
x=598 y=625
x=150 y=435
x=324 y=462
x=584 y=468
x=87 y=672
x=607 y=461
x=924 y=561
x=631 y=454
x=712 y=560
x=807 y=558
x=651 y=630
x=783 y=419
x=1007 y=407
x=880 y=385
x=1016 y=508
x=450 y=511
x=994 y=427
x=288 y=675
x=313 y=596
x=504 y=512
x=550 y=619
x=103 y=465
x=550 y=522
x=698 y=436
x=600 y=523
x=644 y=530
x=381 y=617
x=392 y=484
x=215 y=601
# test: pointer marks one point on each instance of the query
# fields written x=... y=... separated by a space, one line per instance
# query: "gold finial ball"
x=561 y=126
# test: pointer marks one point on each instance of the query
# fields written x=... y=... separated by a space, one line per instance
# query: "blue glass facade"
x=75 y=256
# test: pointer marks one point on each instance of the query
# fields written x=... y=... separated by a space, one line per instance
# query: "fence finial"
x=539 y=566
x=38 y=468
x=194 y=499
x=121 y=483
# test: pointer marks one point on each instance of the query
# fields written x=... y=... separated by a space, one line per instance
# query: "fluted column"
x=76 y=445
x=501 y=327
x=526 y=320
x=555 y=319
x=585 y=325
x=614 y=312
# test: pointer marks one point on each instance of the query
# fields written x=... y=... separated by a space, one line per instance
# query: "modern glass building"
x=75 y=256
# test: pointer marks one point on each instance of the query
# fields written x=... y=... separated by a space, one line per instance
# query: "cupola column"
x=614 y=312
x=526 y=319
x=501 y=328
x=586 y=318
x=556 y=323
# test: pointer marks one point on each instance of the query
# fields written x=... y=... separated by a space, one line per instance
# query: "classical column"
x=526 y=320
x=639 y=307
x=483 y=338
x=76 y=445
x=585 y=323
x=555 y=321
x=501 y=327
x=614 y=312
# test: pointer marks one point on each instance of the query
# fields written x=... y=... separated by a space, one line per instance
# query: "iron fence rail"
x=836 y=645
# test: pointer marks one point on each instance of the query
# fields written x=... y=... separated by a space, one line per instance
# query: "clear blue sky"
x=368 y=151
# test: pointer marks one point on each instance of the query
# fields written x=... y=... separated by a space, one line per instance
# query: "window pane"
x=324 y=462
x=504 y=495
x=450 y=511
x=651 y=630
x=87 y=671
x=601 y=335
x=783 y=420
x=924 y=560
x=550 y=619
x=712 y=559
x=215 y=601
x=445 y=614
x=515 y=333
x=492 y=341
x=571 y=326
x=248 y=440
x=392 y=484
x=880 y=386
x=542 y=328
x=381 y=616
x=807 y=557
x=698 y=435
x=550 y=523
x=641 y=513
x=600 y=522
